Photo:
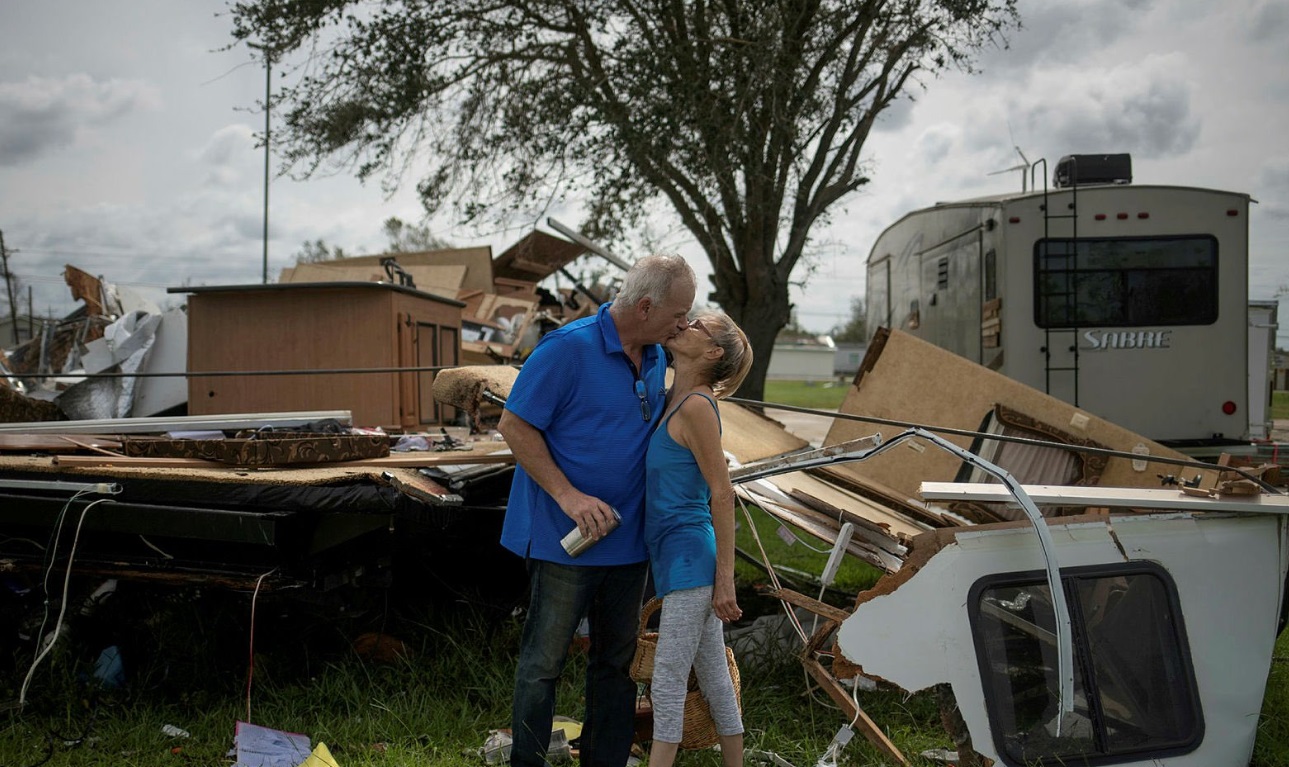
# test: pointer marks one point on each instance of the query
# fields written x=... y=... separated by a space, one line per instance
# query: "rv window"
x=1125 y=282
x=1134 y=687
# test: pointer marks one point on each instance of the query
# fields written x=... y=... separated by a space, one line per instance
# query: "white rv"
x=1129 y=301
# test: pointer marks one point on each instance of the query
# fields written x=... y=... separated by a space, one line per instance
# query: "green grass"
x=1272 y=746
x=825 y=396
x=1280 y=405
x=435 y=707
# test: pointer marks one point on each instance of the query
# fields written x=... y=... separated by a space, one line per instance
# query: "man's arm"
x=529 y=446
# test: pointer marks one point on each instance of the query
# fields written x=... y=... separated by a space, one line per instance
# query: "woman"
x=689 y=530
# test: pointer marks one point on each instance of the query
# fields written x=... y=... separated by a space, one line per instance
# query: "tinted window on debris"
x=1134 y=693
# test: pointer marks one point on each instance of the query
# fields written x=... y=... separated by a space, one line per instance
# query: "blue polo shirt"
x=578 y=387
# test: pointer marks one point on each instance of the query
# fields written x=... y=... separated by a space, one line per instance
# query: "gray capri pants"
x=690 y=634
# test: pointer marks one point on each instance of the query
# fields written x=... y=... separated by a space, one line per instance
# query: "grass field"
x=824 y=396
x=1280 y=405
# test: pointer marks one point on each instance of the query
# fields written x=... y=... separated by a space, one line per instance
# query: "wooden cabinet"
x=322 y=326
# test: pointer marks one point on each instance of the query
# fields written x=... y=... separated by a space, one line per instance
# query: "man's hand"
x=592 y=516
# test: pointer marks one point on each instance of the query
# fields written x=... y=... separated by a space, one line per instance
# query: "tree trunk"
x=762 y=316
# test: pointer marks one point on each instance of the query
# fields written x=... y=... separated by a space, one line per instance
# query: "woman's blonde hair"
x=728 y=372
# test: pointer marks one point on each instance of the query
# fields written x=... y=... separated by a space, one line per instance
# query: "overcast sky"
x=127 y=141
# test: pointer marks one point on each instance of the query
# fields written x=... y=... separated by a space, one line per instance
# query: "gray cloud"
x=40 y=115
x=227 y=154
x=1273 y=188
x=1059 y=33
x=1269 y=22
x=897 y=116
x=1141 y=109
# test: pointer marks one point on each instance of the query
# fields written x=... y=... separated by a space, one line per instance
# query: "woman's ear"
x=714 y=352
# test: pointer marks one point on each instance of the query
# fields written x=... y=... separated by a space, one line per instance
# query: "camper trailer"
x=1129 y=301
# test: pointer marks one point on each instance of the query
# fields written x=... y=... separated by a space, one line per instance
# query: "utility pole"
x=8 y=281
x=268 y=96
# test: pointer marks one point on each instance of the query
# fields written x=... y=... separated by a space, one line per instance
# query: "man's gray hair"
x=652 y=277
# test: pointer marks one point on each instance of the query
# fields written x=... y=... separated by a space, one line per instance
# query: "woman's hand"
x=725 y=600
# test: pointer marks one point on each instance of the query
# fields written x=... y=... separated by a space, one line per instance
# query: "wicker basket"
x=699 y=728
x=646 y=644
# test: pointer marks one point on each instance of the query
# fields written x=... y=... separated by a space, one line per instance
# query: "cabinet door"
x=407 y=356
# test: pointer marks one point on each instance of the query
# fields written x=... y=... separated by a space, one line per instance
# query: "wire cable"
x=250 y=666
x=62 y=607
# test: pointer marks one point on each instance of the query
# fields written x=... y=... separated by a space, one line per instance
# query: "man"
x=578 y=420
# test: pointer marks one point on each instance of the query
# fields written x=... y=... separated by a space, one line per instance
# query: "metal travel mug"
x=575 y=543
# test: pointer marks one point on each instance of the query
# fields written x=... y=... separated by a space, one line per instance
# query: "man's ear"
x=643 y=306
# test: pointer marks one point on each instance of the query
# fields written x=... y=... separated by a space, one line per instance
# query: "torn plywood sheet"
x=535 y=257
x=1177 y=667
x=442 y=280
x=906 y=379
x=477 y=263
x=750 y=436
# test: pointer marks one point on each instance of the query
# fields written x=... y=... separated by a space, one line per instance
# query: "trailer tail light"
x=1143 y=215
x=1233 y=213
x=1014 y=220
x=1122 y=216
x=1228 y=407
x=1099 y=217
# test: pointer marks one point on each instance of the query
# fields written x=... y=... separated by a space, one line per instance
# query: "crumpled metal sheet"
x=124 y=348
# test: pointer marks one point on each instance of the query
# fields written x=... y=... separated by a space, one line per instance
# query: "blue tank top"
x=678 y=513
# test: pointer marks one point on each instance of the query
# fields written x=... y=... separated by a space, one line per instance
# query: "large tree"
x=746 y=117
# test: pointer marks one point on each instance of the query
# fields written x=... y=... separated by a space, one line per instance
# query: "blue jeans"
x=559 y=597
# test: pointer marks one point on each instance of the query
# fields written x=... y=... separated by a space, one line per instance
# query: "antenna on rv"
x=1023 y=168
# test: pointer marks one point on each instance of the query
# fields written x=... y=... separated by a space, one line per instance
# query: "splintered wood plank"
x=55 y=443
x=863 y=723
x=412 y=483
x=896 y=524
x=826 y=528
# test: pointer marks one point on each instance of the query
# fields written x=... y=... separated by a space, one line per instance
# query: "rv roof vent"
x=1085 y=169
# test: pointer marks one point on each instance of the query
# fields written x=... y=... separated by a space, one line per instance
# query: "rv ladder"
x=1069 y=293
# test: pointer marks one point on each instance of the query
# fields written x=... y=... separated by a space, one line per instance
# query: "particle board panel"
x=750 y=436
x=904 y=378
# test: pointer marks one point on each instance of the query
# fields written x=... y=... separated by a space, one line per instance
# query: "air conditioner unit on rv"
x=1087 y=169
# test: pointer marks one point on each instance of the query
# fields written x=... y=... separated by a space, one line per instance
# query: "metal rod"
x=106 y=488
x=587 y=243
x=177 y=423
x=228 y=373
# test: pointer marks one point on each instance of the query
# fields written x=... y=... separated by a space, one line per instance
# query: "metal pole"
x=8 y=281
x=268 y=94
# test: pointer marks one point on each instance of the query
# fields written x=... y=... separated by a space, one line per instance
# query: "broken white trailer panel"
x=1129 y=301
x=1170 y=667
